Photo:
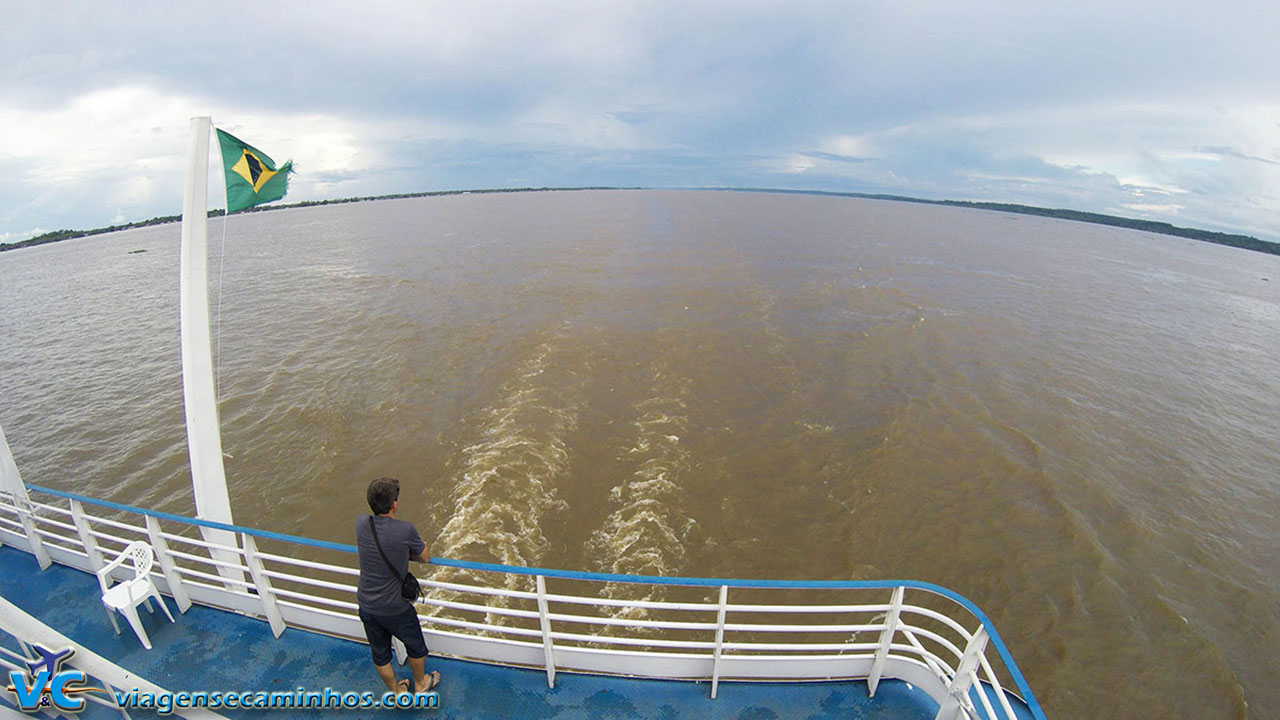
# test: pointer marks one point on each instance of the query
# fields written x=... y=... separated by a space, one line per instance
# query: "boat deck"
x=214 y=650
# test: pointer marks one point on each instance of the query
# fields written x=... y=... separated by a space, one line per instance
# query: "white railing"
x=676 y=628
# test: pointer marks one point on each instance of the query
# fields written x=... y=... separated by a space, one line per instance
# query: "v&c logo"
x=45 y=682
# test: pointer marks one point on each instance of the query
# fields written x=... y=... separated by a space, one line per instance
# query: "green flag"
x=252 y=177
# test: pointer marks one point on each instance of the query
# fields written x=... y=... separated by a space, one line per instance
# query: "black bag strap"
x=374 y=529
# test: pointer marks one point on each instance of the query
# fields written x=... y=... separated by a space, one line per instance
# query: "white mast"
x=204 y=436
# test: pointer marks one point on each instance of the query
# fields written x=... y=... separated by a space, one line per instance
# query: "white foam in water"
x=509 y=477
x=646 y=534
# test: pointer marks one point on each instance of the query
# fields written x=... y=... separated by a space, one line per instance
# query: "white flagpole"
x=204 y=436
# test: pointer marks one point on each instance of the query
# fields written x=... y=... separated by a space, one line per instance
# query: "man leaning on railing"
x=385 y=547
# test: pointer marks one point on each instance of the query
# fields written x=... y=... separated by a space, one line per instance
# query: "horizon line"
x=1247 y=242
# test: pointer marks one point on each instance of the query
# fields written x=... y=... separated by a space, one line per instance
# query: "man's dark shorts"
x=380 y=628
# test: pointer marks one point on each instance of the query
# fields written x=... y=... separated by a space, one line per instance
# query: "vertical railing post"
x=886 y=639
x=262 y=583
x=715 y=656
x=26 y=515
x=167 y=567
x=958 y=690
x=547 y=647
x=87 y=540
x=398 y=649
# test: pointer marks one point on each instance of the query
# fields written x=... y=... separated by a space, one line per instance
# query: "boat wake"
x=646 y=533
x=507 y=491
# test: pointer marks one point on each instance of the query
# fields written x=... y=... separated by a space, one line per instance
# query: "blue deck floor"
x=210 y=650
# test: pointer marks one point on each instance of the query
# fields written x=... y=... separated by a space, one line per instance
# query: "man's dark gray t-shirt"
x=378 y=592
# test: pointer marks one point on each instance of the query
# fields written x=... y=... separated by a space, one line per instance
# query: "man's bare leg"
x=420 y=680
x=388 y=675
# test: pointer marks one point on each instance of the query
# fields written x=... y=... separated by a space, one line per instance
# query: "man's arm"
x=423 y=555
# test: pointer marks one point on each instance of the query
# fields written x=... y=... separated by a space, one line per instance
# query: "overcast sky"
x=1164 y=110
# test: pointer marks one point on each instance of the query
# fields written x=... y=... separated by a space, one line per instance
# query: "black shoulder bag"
x=409 y=587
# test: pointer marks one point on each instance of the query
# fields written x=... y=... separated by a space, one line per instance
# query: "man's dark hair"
x=383 y=492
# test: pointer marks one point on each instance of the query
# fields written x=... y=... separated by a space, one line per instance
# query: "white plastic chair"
x=127 y=595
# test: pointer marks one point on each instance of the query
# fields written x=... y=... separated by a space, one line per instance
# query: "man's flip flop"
x=406 y=685
x=435 y=680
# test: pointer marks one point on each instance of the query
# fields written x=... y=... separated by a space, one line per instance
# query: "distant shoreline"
x=1246 y=242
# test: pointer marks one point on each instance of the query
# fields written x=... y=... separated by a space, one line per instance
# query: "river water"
x=1074 y=426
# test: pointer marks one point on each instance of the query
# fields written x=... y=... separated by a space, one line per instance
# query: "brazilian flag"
x=252 y=177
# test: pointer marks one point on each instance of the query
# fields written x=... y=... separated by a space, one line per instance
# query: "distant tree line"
x=1241 y=241
x=1247 y=242
x=57 y=235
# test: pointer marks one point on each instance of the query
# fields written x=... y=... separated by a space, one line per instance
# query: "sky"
x=1159 y=110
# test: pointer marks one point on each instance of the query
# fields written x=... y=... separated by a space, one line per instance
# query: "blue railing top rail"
x=996 y=640
x=195 y=521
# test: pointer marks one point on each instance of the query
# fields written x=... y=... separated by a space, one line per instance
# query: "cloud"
x=123 y=150
x=1233 y=153
x=1103 y=157
x=1084 y=105
x=820 y=155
